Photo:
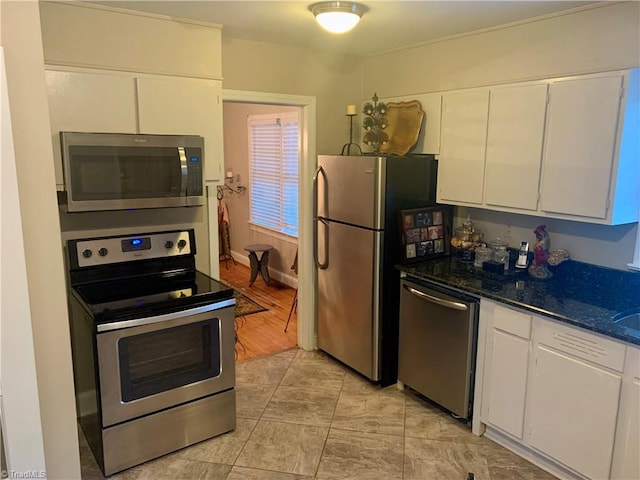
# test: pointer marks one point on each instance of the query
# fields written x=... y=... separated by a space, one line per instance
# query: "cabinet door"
x=573 y=410
x=514 y=146
x=626 y=461
x=581 y=132
x=462 y=148
x=88 y=102
x=185 y=107
x=508 y=371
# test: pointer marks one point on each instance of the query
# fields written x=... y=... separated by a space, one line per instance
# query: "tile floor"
x=303 y=416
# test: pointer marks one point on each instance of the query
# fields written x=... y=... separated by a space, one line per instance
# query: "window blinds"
x=273 y=152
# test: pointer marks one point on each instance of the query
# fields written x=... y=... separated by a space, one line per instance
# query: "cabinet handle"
x=439 y=301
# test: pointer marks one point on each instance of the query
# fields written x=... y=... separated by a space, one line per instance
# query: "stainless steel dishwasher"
x=437 y=344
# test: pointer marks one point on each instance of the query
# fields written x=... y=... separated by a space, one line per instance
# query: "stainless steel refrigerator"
x=357 y=200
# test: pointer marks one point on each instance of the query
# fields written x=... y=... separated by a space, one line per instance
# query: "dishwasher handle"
x=436 y=300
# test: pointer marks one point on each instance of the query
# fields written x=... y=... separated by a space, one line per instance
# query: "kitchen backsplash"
x=608 y=246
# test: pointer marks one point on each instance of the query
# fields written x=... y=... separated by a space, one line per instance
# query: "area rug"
x=245 y=305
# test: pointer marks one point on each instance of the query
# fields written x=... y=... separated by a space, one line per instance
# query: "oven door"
x=154 y=363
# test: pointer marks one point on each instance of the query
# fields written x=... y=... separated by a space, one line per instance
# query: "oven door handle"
x=138 y=322
x=436 y=300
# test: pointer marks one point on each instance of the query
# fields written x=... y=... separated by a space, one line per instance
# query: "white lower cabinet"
x=573 y=412
x=626 y=459
x=565 y=398
x=508 y=363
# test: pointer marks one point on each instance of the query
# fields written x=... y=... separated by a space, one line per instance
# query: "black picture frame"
x=425 y=233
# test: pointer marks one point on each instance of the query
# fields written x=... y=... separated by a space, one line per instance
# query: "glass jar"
x=500 y=252
x=501 y=255
x=483 y=254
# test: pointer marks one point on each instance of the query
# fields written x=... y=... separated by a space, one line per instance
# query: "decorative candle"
x=351 y=109
x=229 y=173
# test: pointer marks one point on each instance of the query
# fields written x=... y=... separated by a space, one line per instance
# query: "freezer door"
x=351 y=189
x=349 y=296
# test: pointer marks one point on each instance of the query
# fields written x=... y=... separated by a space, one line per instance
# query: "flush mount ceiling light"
x=337 y=17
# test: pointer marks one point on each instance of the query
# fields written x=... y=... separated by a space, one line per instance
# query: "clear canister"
x=483 y=254
x=501 y=255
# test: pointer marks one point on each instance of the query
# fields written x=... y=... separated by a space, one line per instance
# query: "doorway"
x=307 y=162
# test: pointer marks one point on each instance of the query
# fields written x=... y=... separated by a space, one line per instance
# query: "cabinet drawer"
x=509 y=320
x=581 y=344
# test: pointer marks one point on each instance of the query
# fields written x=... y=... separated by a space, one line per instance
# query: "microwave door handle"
x=183 y=171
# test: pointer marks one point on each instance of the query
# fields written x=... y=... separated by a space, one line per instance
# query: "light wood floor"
x=262 y=333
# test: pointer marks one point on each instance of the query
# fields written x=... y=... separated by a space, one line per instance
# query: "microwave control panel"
x=194 y=171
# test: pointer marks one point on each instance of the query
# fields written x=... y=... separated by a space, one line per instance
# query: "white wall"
x=21 y=429
x=236 y=157
x=22 y=41
x=596 y=39
x=334 y=80
x=590 y=40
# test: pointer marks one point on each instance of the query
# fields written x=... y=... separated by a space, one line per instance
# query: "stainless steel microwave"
x=113 y=171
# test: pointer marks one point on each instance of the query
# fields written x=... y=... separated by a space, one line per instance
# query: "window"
x=273 y=158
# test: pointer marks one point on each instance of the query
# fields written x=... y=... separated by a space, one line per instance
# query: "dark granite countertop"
x=580 y=294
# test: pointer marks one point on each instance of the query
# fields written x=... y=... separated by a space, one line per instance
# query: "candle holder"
x=347 y=146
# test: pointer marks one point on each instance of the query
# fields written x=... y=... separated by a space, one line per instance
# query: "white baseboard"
x=282 y=277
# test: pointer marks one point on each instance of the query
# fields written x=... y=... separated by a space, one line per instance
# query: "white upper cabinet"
x=514 y=146
x=185 y=107
x=111 y=103
x=88 y=102
x=565 y=148
x=581 y=144
x=463 y=145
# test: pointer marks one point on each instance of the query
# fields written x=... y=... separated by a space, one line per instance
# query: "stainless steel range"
x=153 y=347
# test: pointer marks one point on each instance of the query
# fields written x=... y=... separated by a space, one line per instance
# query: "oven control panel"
x=108 y=250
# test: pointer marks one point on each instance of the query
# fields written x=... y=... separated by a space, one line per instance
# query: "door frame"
x=307 y=338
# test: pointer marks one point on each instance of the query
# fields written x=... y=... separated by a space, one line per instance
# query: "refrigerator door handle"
x=316 y=176
x=317 y=220
x=432 y=299
x=324 y=265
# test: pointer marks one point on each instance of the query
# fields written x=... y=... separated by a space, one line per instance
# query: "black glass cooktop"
x=136 y=297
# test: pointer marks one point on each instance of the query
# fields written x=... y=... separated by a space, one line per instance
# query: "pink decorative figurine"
x=539 y=268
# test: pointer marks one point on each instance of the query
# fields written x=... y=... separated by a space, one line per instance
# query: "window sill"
x=272 y=233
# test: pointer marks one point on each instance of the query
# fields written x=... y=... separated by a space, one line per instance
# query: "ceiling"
x=388 y=25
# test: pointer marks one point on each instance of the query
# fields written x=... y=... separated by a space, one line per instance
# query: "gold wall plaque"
x=403 y=129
